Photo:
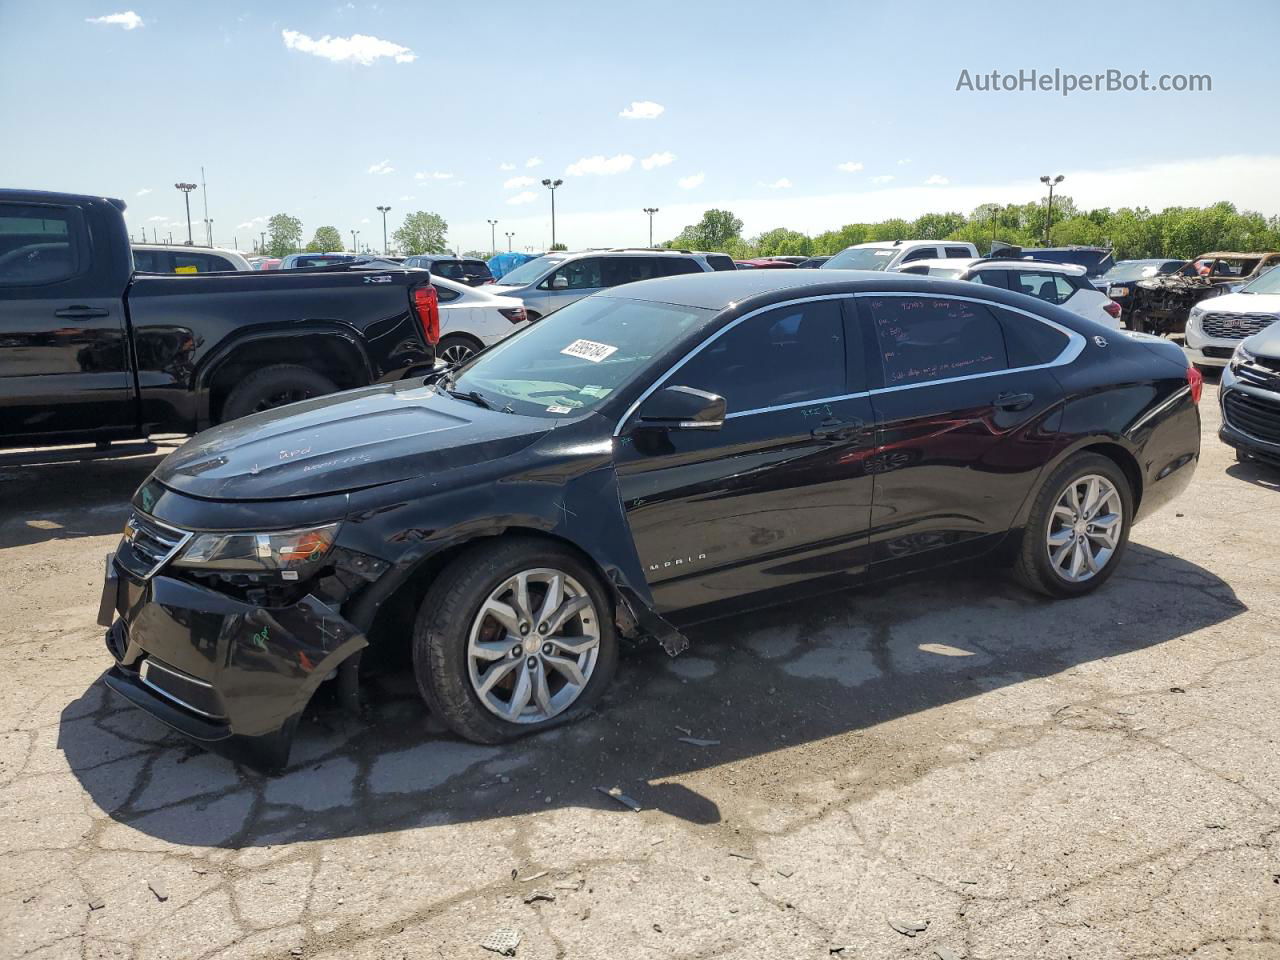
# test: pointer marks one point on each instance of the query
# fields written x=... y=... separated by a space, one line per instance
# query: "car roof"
x=1004 y=263
x=184 y=248
x=908 y=244
x=1223 y=254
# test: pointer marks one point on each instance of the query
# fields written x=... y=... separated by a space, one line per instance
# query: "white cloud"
x=655 y=160
x=643 y=110
x=883 y=178
x=365 y=220
x=528 y=196
x=129 y=20
x=782 y=183
x=405 y=198
x=155 y=219
x=849 y=166
x=383 y=166
x=605 y=166
x=143 y=192
x=504 y=167
x=251 y=223
x=436 y=175
x=533 y=162
x=688 y=183
x=937 y=180
x=515 y=183
x=904 y=161
x=357 y=48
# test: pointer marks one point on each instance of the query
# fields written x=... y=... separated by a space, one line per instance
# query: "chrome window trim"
x=143 y=674
x=1074 y=347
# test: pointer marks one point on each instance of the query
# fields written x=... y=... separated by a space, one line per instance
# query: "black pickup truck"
x=92 y=352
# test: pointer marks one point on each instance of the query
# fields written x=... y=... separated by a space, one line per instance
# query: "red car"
x=767 y=263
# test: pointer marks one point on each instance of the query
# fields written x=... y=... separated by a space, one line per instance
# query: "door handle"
x=1014 y=401
x=81 y=313
x=837 y=429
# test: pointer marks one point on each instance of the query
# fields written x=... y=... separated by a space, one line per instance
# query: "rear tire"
x=457 y=642
x=1064 y=525
x=272 y=387
x=457 y=348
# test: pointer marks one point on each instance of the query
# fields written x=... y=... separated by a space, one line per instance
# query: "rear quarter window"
x=720 y=261
x=1030 y=342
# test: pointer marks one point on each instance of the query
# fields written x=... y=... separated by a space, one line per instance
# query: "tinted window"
x=959 y=252
x=199 y=263
x=619 y=270
x=452 y=269
x=922 y=253
x=786 y=355
x=150 y=261
x=720 y=261
x=444 y=294
x=36 y=244
x=991 y=278
x=1049 y=287
x=477 y=269
x=1029 y=341
x=932 y=338
x=581 y=274
x=674 y=266
x=319 y=261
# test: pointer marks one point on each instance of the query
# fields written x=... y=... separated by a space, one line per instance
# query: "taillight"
x=514 y=314
x=1112 y=308
x=1195 y=380
x=427 y=306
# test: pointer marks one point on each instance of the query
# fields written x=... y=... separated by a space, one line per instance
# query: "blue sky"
x=751 y=106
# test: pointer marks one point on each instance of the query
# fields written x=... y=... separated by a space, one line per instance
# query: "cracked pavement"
x=1086 y=779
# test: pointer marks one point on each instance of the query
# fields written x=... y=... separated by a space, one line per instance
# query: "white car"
x=893 y=254
x=1064 y=284
x=181 y=258
x=471 y=319
x=1216 y=326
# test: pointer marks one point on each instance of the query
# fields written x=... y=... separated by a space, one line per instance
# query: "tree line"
x=420 y=232
x=1132 y=232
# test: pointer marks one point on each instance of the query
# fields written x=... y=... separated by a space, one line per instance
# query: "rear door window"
x=921 y=253
x=581 y=274
x=992 y=278
x=721 y=261
x=1049 y=287
x=39 y=244
x=674 y=266
x=151 y=261
x=200 y=263
x=959 y=252
x=619 y=270
x=923 y=339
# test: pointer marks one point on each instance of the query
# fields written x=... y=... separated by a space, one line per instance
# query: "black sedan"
x=658 y=454
x=1250 y=398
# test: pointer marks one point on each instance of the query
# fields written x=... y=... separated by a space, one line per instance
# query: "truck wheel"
x=456 y=348
x=514 y=637
x=1078 y=528
x=272 y=387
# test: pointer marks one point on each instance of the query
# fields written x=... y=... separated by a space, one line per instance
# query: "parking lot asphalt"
x=944 y=764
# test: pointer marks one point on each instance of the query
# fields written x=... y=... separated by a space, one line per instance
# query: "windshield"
x=531 y=271
x=1266 y=282
x=568 y=363
x=861 y=258
x=1132 y=270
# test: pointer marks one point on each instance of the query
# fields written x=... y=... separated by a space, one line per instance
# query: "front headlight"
x=286 y=551
x=1240 y=356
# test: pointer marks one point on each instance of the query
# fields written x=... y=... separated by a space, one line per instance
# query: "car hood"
x=1244 y=303
x=1266 y=343
x=343 y=442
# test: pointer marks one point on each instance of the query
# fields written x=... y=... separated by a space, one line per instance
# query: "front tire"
x=514 y=637
x=1078 y=528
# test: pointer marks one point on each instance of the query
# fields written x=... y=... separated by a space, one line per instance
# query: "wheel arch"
x=1108 y=447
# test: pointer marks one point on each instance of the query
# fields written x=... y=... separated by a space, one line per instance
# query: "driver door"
x=780 y=494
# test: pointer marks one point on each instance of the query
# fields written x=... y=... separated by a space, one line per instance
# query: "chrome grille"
x=1235 y=326
x=1259 y=373
x=1252 y=415
x=152 y=542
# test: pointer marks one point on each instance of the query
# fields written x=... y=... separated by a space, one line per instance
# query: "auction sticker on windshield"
x=589 y=350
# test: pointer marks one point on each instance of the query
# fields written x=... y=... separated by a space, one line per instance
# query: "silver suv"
x=558 y=279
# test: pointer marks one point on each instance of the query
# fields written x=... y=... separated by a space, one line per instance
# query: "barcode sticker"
x=589 y=350
x=559 y=408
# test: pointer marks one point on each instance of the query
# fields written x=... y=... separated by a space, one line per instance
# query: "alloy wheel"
x=456 y=353
x=1085 y=526
x=533 y=646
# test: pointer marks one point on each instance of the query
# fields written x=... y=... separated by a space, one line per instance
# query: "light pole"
x=385 y=249
x=354 y=247
x=262 y=242
x=186 y=189
x=650 y=211
x=1050 y=182
x=509 y=236
x=551 y=185
x=208 y=226
x=493 y=241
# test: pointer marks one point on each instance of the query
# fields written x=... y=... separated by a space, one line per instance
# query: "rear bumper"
x=229 y=675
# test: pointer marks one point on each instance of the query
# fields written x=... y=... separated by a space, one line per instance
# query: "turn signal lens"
x=1195 y=380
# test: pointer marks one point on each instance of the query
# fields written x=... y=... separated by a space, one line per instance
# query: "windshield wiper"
x=472 y=395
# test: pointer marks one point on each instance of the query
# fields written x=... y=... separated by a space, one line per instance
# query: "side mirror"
x=559 y=283
x=682 y=408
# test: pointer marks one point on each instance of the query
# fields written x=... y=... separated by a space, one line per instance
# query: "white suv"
x=558 y=279
x=893 y=254
x=1216 y=325
x=1064 y=284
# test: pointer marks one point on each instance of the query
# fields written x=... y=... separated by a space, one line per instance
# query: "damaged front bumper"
x=230 y=675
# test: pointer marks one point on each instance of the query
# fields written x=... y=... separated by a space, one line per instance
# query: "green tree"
x=936 y=226
x=782 y=242
x=327 y=239
x=421 y=232
x=713 y=232
x=284 y=235
x=559 y=246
